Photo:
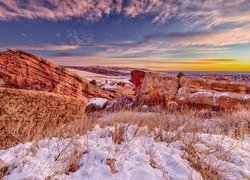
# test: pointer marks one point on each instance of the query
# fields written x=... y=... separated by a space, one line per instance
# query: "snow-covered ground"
x=97 y=156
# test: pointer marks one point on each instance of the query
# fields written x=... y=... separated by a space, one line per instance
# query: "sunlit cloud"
x=43 y=47
x=151 y=62
x=208 y=13
x=191 y=33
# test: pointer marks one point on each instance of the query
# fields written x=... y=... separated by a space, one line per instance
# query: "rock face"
x=221 y=86
x=211 y=92
x=19 y=69
x=162 y=89
x=137 y=77
x=196 y=96
x=155 y=88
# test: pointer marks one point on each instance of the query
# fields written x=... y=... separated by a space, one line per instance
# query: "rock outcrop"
x=221 y=86
x=206 y=97
x=160 y=89
x=19 y=69
x=214 y=93
x=137 y=77
x=155 y=88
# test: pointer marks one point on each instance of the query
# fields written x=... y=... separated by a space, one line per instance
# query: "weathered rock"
x=96 y=104
x=137 y=77
x=157 y=89
x=123 y=101
x=23 y=70
x=196 y=96
x=117 y=89
x=222 y=86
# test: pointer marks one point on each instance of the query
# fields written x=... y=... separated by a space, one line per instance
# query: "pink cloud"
x=208 y=13
x=44 y=47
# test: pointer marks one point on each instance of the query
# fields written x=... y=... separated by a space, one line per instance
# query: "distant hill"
x=108 y=71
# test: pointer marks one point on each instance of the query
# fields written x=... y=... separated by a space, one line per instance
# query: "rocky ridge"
x=19 y=69
x=161 y=89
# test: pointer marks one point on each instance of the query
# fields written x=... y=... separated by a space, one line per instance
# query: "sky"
x=187 y=35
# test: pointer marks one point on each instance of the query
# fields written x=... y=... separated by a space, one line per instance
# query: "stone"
x=96 y=104
x=157 y=89
x=122 y=101
x=19 y=69
x=217 y=85
x=137 y=77
x=197 y=96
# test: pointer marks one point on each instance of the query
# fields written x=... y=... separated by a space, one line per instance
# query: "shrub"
x=93 y=82
x=180 y=74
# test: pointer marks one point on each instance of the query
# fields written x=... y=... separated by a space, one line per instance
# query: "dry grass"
x=111 y=164
x=60 y=123
x=18 y=124
x=3 y=169
x=25 y=115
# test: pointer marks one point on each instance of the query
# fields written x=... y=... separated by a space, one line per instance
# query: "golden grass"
x=180 y=123
x=29 y=113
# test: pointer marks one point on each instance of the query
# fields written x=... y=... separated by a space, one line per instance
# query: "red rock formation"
x=137 y=77
x=221 y=86
x=19 y=69
x=156 y=88
x=196 y=96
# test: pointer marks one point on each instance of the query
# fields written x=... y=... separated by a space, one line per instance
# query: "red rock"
x=19 y=69
x=156 y=88
x=221 y=86
x=137 y=77
x=196 y=96
x=122 y=101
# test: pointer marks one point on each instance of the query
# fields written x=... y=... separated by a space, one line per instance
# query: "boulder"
x=122 y=101
x=156 y=88
x=221 y=86
x=96 y=104
x=137 y=77
x=19 y=69
x=197 y=96
x=118 y=88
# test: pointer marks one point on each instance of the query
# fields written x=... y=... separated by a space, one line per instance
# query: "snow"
x=98 y=101
x=109 y=86
x=132 y=158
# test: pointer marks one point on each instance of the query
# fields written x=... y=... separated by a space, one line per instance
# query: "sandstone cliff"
x=161 y=89
x=154 y=88
x=19 y=69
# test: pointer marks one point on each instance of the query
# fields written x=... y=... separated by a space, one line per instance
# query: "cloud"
x=239 y=35
x=44 y=47
x=151 y=62
x=58 y=9
x=192 y=12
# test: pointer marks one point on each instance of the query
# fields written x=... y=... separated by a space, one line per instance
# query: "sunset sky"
x=155 y=34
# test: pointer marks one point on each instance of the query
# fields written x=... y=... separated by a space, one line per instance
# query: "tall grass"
x=168 y=127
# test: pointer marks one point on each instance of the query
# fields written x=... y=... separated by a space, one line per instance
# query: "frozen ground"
x=100 y=155
x=100 y=77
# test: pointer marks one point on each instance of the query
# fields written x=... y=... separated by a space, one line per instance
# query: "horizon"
x=157 y=35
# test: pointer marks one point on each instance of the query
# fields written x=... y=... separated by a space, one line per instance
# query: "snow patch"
x=135 y=158
x=98 y=101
